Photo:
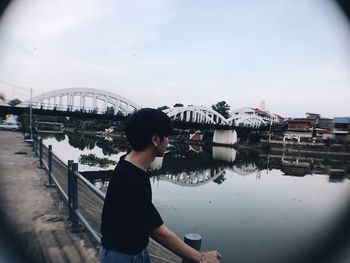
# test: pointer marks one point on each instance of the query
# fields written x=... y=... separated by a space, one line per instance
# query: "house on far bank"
x=323 y=126
x=312 y=116
x=299 y=128
x=313 y=126
x=266 y=116
x=341 y=127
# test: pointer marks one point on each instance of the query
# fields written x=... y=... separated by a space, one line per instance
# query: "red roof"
x=261 y=112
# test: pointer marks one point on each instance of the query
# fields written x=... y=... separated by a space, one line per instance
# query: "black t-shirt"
x=128 y=213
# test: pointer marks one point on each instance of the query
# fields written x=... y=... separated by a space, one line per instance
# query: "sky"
x=293 y=55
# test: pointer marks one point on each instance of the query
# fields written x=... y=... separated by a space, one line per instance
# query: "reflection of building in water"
x=195 y=148
x=100 y=179
x=224 y=154
x=102 y=185
x=245 y=168
x=296 y=167
x=337 y=169
x=193 y=178
x=337 y=175
x=156 y=164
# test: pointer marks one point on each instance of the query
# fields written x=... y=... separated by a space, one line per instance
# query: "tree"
x=14 y=102
x=163 y=108
x=220 y=179
x=110 y=111
x=223 y=108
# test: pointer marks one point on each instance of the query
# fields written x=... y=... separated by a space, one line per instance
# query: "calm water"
x=251 y=206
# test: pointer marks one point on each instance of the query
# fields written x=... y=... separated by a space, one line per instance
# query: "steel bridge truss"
x=196 y=114
x=84 y=99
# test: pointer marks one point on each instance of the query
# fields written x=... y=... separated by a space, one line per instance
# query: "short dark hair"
x=143 y=124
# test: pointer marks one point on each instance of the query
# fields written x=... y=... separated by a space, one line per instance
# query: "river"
x=251 y=206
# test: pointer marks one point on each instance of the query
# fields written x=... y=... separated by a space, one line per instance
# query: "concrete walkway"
x=33 y=224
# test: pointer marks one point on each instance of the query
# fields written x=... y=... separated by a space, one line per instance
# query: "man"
x=129 y=217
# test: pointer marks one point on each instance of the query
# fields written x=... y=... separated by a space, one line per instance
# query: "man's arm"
x=171 y=241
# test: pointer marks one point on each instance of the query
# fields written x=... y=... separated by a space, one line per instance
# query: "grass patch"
x=93 y=160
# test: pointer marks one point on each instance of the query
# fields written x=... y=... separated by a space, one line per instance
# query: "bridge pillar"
x=228 y=137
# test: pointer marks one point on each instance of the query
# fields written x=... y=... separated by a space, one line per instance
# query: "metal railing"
x=83 y=199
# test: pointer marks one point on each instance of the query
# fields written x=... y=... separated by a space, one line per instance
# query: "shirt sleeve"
x=155 y=220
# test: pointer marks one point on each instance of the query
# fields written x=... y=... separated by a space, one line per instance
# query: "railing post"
x=50 y=183
x=33 y=143
x=37 y=146
x=41 y=153
x=194 y=241
x=69 y=186
x=73 y=200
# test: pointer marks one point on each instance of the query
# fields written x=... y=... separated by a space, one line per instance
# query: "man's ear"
x=155 y=140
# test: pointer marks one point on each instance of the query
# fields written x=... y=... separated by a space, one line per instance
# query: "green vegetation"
x=92 y=160
x=220 y=179
x=223 y=108
x=163 y=108
x=14 y=102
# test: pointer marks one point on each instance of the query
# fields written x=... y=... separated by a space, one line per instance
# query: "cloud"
x=33 y=19
x=160 y=52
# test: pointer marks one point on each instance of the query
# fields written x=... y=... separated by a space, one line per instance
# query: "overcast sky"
x=294 y=55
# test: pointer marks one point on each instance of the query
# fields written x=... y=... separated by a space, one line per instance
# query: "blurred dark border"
x=3 y=5
x=344 y=5
x=335 y=249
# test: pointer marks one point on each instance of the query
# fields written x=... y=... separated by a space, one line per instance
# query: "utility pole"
x=31 y=114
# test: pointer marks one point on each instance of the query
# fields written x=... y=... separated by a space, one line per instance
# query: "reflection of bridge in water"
x=186 y=165
x=191 y=168
x=185 y=168
x=194 y=178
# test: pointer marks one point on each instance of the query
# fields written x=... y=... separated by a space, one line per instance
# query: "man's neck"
x=141 y=159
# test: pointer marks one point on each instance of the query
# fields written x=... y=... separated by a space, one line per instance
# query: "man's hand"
x=168 y=239
x=211 y=257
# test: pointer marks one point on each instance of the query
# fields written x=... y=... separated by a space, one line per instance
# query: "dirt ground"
x=33 y=226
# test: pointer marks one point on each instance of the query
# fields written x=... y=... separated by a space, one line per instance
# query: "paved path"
x=32 y=217
x=33 y=225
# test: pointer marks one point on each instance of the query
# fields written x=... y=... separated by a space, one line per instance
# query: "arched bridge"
x=196 y=114
x=84 y=99
x=253 y=121
x=207 y=116
x=96 y=101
